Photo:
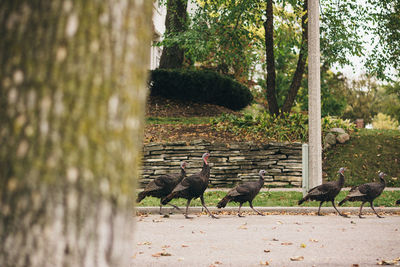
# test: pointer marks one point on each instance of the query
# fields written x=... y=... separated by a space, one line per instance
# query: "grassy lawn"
x=276 y=199
x=365 y=154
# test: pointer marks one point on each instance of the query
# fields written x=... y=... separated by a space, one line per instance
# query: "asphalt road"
x=276 y=240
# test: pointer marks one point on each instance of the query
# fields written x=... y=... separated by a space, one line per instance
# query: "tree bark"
x=175 y=23
x=72 y=78
x=271 y=72
x=301 y=63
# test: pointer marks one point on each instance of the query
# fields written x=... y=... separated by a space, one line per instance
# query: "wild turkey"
x=326 y=192
x=162 y=186
x=192 y=187
x=366 y=193
x=398 y=202
x=243 y=193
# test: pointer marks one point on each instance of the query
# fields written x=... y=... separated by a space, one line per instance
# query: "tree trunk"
x=271 y=72
x=301 y=63
x=175 y=23
x=72 y=77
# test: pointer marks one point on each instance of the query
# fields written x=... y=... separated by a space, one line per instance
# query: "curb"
x=273 y=210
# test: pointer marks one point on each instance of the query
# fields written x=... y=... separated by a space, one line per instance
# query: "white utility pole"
x=314 y=97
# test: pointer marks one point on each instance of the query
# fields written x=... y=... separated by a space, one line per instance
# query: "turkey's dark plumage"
x=366 y=193
x=326 y=192
x=398 y=202
x=243 y=193
x=162 y=186
x=192 y=187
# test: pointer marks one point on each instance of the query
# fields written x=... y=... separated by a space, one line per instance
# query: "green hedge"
x=200 y=86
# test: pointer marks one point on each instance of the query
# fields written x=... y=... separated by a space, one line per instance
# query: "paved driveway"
x=277 y=240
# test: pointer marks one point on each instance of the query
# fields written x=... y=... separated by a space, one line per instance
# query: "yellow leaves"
x=243 y=226
x=302 y=245
x=389 y=262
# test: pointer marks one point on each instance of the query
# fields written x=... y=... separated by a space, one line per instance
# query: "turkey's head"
x=205 y=157
x=341 y=170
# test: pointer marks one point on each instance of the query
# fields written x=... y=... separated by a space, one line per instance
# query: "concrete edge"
x=280 y=210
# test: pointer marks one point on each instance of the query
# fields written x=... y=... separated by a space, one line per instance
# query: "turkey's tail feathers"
x=303 y=199
x=343 y=201
x=223 y=202
x=168 y=198
x=141 y=196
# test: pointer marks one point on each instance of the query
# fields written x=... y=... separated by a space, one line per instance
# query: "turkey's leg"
x=187 y=207
x=204 y=205
x=344 y=215
x=240 y=206
x=372 y=207
x=359 y=215
x=320 y=204
x=251 y=206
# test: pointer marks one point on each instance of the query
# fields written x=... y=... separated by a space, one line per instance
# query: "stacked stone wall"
x=230 y=163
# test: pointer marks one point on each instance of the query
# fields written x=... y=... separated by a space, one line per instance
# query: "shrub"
x=384 y=122
x=330 y=122
x=199 y=86
x=290 y=127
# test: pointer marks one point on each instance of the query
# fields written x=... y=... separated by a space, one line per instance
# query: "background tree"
x=72 y=79
x=362 y=99
x=176 y=23
x=383 y=22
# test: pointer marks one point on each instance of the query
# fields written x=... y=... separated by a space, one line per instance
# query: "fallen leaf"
x=217 y=262
x=302 y=245
x=180 y=259
x=166 y=216
x=286 y=243
x=275 y=239
x=157 y=221
x=243 y=226
x=264 y=263
x=165 y=254
x=159 y=254
x=279 y=222
x=166 y=246
x=313 y=240
x=144 y=243
x=355 y=265
x=389 y=262
x=298 y=258
x=185 y=246
x=352 y=222
x=267 y=250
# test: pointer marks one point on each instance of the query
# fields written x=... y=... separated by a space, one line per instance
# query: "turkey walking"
x=326 y=192
x=162 y=186
x=192 y=187
x=366 y=193
x=243 y=193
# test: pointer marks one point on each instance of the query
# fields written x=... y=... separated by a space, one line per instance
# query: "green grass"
x=275 y=199
x=178 y=120
x=364 y=155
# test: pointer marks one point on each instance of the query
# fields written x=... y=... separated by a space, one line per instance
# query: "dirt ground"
x=161 y=107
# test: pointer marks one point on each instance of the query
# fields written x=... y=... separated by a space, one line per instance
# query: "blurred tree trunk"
x=72 y=79
x=175 y=23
